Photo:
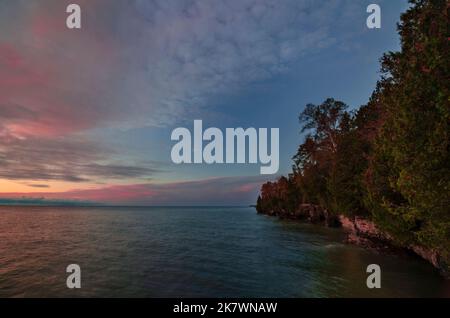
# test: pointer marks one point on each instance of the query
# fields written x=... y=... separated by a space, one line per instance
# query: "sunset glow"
x=87 y=114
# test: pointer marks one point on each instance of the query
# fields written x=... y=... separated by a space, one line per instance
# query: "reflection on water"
x=192 y=252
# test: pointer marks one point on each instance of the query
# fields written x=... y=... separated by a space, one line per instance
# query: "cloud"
x=16 y=112
x=137 y=63
x=133 y=64
x=34 y=185
x=65 y=159
x=44 y=202
x=214 y=191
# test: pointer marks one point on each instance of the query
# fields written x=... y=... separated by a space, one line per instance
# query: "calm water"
x=191 y=252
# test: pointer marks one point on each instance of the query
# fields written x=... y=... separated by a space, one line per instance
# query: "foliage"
x=409 y=175
x=390 y=160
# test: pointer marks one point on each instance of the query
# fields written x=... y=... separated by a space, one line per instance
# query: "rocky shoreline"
x=361 y=231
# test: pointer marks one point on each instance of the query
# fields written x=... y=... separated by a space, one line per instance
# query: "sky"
x=86 y=114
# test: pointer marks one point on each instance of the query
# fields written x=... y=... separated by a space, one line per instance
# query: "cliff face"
x=308 y=212
x=360 y=231
x=364 y=232
x=434 y=258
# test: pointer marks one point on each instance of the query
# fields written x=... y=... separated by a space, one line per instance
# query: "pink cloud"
x=214 y=191
x=54 y=73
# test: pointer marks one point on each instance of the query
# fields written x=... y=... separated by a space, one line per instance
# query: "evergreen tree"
x=409 y=174
x=390 y=161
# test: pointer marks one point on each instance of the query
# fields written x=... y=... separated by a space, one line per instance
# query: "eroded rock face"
x=365 y=233
x=433 y=257
x=332 y=220
x=429 y=255
x=347 y=224
x=314 y=214
x=360 y=231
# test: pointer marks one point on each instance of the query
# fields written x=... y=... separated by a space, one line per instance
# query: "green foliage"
x=390 y=160
x=279 y=197
x=409 y=183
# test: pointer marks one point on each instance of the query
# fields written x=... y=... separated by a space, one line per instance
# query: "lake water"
x=192 y=252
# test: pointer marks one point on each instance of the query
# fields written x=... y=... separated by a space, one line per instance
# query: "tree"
x=409 y=173
x=391 y=160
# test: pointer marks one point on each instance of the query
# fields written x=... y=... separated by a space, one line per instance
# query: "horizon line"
x=125 y=206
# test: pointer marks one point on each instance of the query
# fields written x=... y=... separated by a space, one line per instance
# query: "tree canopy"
x=389 y=161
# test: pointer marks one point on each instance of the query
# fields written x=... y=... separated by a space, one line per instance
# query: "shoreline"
x=362 y=232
